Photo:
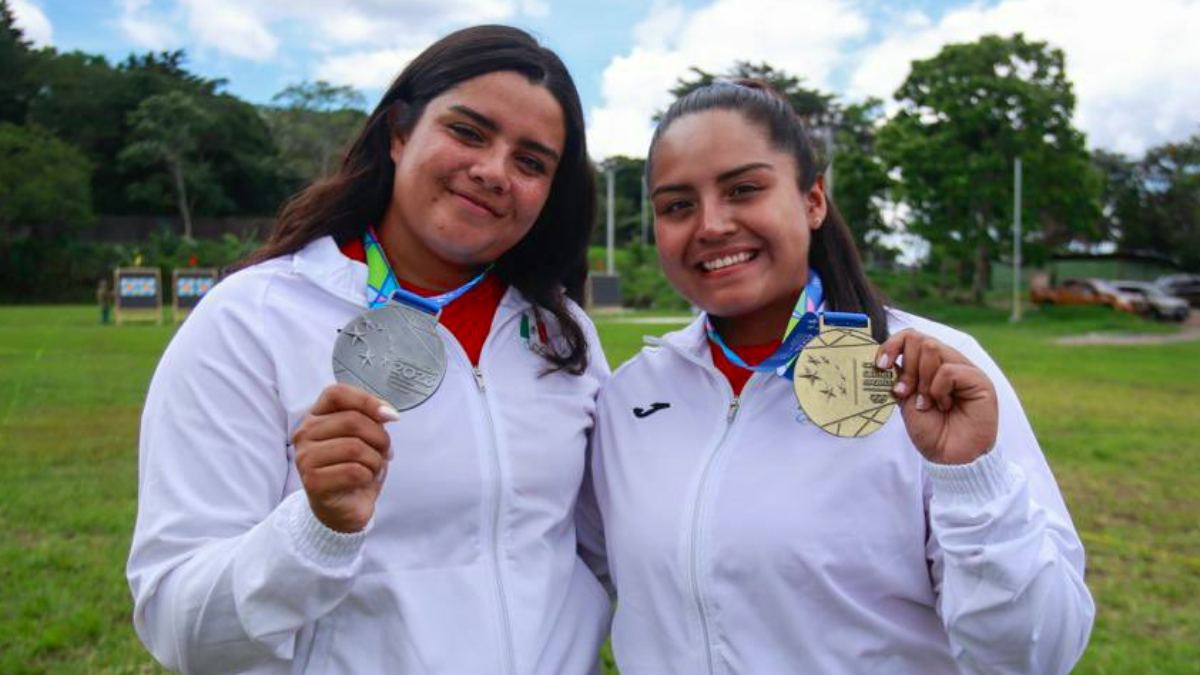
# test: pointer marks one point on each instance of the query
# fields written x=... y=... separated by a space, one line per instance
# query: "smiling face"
x=732 y=223
x=471 y=178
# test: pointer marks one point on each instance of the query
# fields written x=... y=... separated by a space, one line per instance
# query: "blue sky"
x=1134 y=66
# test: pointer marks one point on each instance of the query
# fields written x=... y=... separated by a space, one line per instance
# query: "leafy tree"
x=1172 y=184
x=965 y=114
x=311 y=123
x=166 y=132
x=17 y=58
x=1123 y=204
x=44 y=184
x=861 y=178
x=87 y=101
x=627 y=190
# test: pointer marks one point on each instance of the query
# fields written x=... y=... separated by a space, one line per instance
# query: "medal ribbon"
x=803 y=325
x=383 y=287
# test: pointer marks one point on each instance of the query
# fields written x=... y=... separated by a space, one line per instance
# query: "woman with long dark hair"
x=763 y=511
x=361 y=453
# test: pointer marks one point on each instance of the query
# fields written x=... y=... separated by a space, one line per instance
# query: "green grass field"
x=1120 y=425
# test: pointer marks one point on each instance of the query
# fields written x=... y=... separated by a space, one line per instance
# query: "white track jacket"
x=469 y=564
x=743 y=539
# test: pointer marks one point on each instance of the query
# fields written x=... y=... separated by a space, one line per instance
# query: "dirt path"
x=1190 y=330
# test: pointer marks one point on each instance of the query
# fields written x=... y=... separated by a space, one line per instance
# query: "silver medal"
x=394 y=352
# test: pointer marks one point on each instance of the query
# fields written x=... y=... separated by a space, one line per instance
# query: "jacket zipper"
x=497 y=488
x=501 y=596
x=698 y=513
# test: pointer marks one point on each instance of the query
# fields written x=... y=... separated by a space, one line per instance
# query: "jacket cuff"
x=317 y=543
x=987 y=477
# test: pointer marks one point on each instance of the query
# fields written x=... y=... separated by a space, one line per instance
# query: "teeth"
x=720 y=263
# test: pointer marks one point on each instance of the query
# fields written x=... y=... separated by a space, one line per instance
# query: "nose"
x=489 y=171
x=715 y=223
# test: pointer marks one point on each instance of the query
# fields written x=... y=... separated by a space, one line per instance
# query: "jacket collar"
x=324 y=264
x=690 y=342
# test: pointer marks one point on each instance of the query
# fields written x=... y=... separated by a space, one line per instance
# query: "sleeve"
x=589 y=528
x=225 y=567
x=1006 y=562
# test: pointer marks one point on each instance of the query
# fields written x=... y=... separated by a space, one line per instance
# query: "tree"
x=45 y=184
x=87 y=102
x=1123 y=204
x=1172 y=184
x=17 y=58
x=165 y=132
x=965 y=114
x=312 y=123
x=627 y=190
x=861 y=177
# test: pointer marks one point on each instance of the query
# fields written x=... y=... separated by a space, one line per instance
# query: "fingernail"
x=901 y=388
x=883 y=362
x=389 y=413
x=922 y=402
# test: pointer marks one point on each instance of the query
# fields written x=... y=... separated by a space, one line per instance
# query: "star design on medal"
x=367 y=357
x=356 y=335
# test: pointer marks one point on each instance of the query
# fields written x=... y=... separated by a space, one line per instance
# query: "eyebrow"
x=490 y=124
x=732 y=173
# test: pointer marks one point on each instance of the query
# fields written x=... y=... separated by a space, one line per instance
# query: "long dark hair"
x=549 y=261
x=832 y=252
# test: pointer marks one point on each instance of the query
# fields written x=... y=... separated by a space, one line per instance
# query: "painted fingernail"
x=389 y=413
x=922 y=402
x=901 y=388
x=883 y=362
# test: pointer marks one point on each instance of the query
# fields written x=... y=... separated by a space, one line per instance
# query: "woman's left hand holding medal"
x=949 y=404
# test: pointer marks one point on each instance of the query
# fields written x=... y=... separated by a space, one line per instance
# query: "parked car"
x=1087 y=292
x=1186 y=286
x=1159 y=304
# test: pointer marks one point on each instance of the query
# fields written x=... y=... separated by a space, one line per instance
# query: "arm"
x=589 y=530
x=225 y=567
x=589 y=527
x=1006 y=562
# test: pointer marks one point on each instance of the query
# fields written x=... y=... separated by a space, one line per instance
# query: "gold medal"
x=837 y=384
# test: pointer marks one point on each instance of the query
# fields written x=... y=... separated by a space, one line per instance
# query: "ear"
x=815 y=203
x=396 y=149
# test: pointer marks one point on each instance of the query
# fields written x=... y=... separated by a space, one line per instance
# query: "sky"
x=1135 y=65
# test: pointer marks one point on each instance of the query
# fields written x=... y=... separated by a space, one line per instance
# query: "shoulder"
x=231 y=314
x=899 y=320
x=245 y=290
x=654 y=363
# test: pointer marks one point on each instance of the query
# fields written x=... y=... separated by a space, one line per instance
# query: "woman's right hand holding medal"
x=342 y=452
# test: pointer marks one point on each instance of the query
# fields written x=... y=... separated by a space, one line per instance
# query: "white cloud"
x=144 y=28
x=1134 y=67
x=386 y=23
x=368 y=69
x=536 y=8
x=256 y=30
x=231 y=27
x=33 y=22
x=806 y=38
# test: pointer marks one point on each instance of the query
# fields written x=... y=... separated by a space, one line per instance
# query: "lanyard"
x=383 y=287
x=803 y=325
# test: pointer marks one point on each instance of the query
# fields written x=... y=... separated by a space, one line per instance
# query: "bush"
x=67 y=270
